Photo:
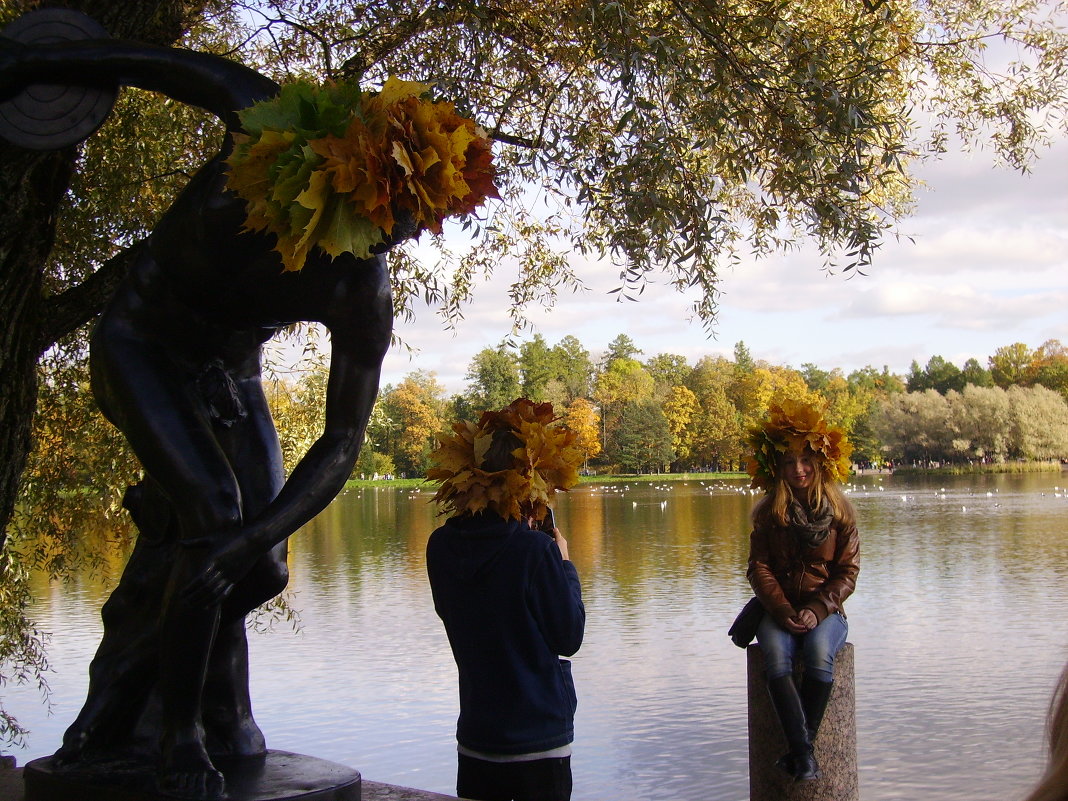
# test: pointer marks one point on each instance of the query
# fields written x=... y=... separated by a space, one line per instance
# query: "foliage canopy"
x=669 y=136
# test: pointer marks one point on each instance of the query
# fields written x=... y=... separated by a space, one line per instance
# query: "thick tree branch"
x=518 y=141
x=69 y=310
x=374 y=49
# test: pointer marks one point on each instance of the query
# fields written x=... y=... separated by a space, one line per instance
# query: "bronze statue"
x=175 y=363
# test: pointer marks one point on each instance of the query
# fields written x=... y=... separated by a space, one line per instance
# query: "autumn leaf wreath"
x=335 y=166
x=544 y=462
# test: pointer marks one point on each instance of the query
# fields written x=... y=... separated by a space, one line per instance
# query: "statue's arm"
x=211 y=82
x=322 y=472
x=359 y=343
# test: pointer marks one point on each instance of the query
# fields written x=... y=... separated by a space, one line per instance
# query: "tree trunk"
x=31 y=185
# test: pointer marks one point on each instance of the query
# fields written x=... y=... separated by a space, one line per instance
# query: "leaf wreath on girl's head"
x=545 y=461
x=333 y=166
x=791 y=427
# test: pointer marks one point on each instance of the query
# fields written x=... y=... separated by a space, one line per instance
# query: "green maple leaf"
x=291 y=173
x=340 y=231
x=279 y=113
x=310 y=110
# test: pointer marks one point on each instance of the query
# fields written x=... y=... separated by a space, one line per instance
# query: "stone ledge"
x=376 y=791
x=11 y=789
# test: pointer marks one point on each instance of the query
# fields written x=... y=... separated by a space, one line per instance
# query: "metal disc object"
x=53 y=116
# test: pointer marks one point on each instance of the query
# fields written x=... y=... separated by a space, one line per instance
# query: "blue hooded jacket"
x=511 y=605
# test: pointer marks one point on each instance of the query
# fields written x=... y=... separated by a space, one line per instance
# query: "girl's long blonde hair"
x=773 y=508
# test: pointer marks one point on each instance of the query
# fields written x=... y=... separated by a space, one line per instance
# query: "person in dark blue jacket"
x=511 y=603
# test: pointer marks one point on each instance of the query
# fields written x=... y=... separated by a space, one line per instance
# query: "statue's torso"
x=212 y=290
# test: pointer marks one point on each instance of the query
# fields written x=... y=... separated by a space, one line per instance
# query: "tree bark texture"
x=31 y=186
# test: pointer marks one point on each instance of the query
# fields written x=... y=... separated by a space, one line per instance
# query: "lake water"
x=958 y=623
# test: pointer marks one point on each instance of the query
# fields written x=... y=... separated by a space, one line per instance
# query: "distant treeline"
x=633 y=414
x=662 y=414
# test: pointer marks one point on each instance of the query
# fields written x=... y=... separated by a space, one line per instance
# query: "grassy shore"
x=620 y=478
x=609 y=479
x=971 y=469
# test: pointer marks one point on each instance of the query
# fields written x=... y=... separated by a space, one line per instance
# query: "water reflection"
x=958 y=625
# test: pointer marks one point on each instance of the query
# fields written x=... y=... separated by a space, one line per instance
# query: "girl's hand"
x=561 y=543
x=807 y=618
x=558 y=538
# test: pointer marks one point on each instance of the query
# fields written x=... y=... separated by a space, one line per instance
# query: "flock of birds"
x=711 y=487
x=1057 y=492
x=741 y=488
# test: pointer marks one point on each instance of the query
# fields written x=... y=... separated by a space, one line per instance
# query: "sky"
x=985 y=265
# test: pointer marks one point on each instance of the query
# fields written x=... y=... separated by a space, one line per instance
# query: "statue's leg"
x=123 y=670
x=187 y=635
x=253 y=447
x=228 y=720
x=155 y=404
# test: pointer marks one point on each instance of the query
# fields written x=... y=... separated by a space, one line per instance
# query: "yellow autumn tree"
x=680 y=406
x=415 y=407
x=766 y=383
x=717 y=433
x=624 y=380
x=582 y=418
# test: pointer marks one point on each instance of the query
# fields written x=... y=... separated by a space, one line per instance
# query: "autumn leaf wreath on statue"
x=545 y=460
x=341 y=168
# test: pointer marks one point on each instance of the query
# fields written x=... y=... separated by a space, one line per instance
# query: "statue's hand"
x=404 y=227
x=221 y=568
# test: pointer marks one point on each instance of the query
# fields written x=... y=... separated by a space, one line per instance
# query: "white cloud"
x=969 y=185
x=954 y=306
x=1005 y=247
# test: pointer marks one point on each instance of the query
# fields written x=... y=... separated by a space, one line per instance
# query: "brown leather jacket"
x=787 y=577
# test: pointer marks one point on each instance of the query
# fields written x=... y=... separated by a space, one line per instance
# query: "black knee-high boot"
x=815 y=695
x=800 y=762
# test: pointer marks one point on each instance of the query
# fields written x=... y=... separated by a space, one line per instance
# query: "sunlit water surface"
x=958 y=622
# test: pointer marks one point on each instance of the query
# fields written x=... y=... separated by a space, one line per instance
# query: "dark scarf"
x=813 y=526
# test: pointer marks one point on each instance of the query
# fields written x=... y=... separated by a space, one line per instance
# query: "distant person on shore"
x=803 y=564
x=510 y=600
x=1054 y=783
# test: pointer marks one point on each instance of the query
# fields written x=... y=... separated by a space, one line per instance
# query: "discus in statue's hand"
x=54 y=116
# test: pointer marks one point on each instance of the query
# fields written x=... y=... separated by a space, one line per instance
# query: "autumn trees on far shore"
x=662 y=414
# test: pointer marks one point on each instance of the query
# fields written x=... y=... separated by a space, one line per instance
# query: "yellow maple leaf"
x=315 y=197
x=395 y=89
x=249 y=173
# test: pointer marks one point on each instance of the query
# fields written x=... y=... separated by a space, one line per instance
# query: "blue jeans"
x=818 y=647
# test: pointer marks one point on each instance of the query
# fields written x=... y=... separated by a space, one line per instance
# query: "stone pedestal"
x=835 y=746
x=279 y=776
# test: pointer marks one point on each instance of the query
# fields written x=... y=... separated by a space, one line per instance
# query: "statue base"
x=279 y=776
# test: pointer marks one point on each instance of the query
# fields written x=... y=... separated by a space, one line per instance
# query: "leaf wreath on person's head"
x=333 y=166
x=792 y=427
x=545 y=461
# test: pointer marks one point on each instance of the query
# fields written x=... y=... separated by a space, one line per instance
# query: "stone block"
x=835 y=746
